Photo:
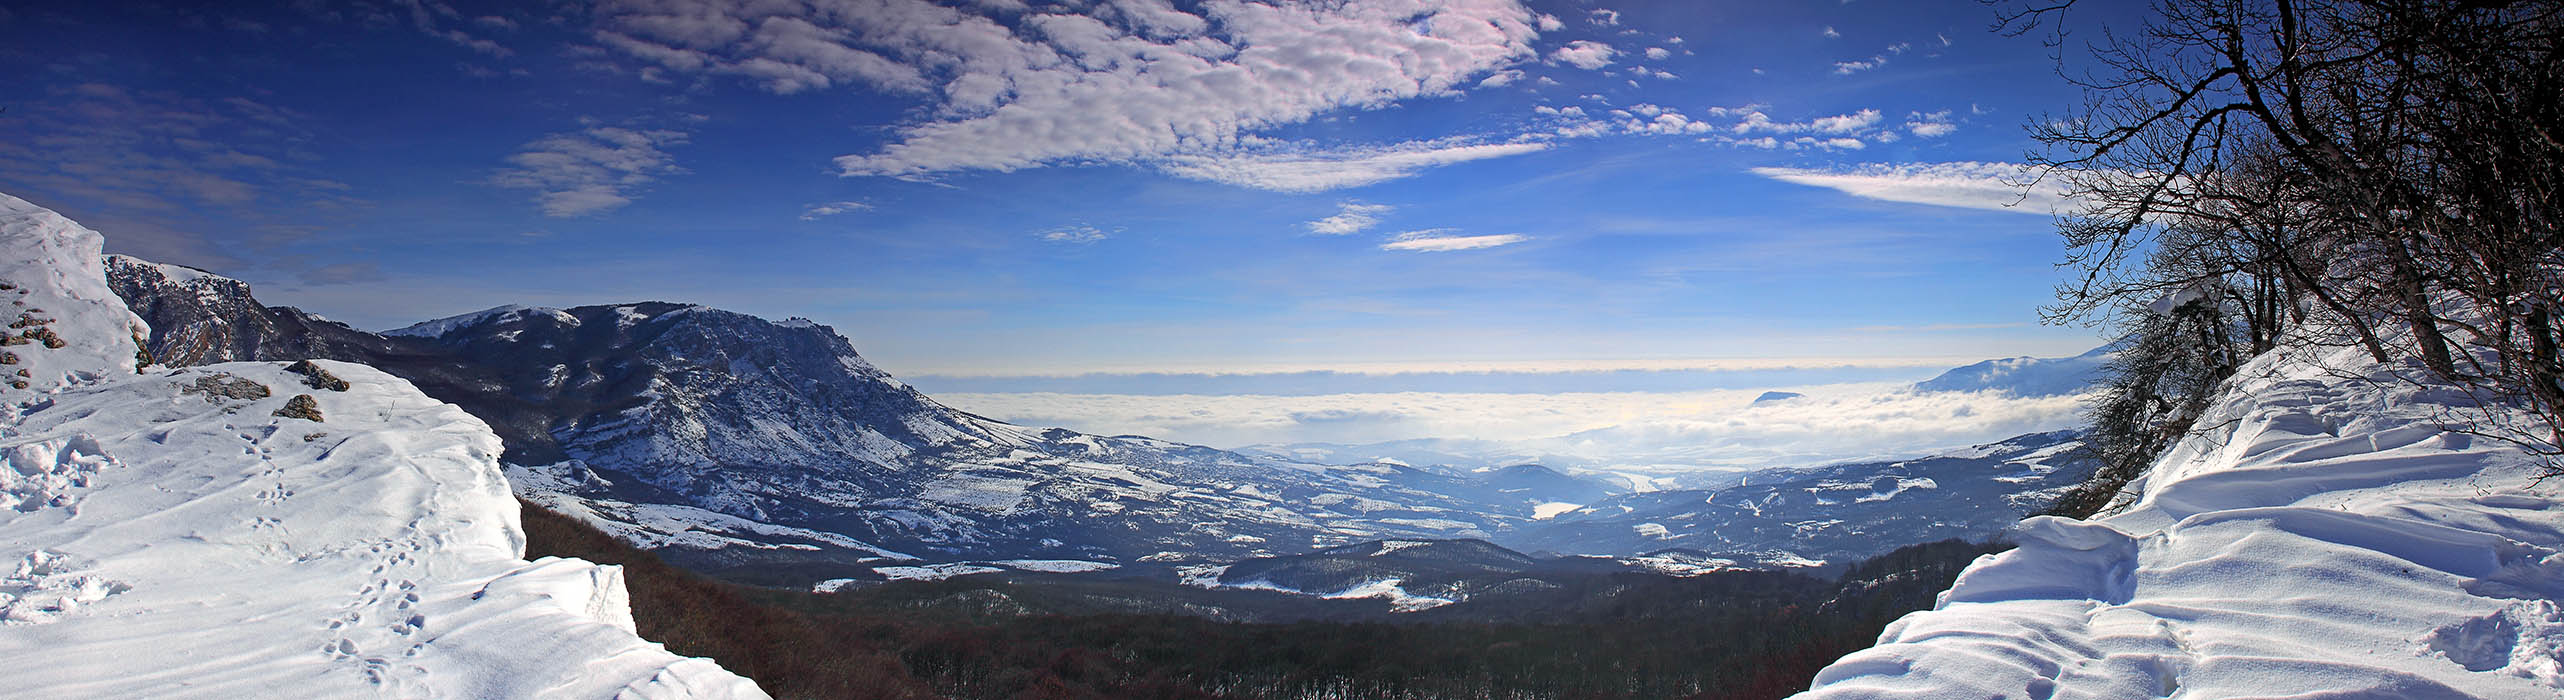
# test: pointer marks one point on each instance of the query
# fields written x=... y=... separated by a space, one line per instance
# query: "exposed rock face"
x=198 y=318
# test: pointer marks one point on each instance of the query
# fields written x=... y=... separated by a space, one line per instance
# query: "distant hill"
x=2025 y=376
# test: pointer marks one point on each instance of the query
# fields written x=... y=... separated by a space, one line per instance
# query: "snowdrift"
x=242 y=530
x=2326 y=534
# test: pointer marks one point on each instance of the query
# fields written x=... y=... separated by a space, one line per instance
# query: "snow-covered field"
x=2324 y=536
x=180 y=533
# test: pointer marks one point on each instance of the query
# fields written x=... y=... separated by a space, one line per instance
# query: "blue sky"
x=1007 y=189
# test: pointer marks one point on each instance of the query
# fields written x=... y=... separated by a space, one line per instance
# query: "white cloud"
x=1658 y=53
x=1972 y=185
x=816 y=211
x=1438 y=240
x=1850 y=67
x=592 y=171
x=1350 y=217
x=1551 y=23
x=1846 y=123
x=1831 y=34
x=1589 y=55
x=1318 y=171
x=1501 y=78
x=1603 y=18
x=1080 y=234
x=1127 y=81
x=1930 y=125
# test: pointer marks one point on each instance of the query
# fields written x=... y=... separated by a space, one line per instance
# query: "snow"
x=2324 y=536
x=1399 y=599
x=1389 y=589
x=1056 y=566
x=161 y=540
x=570 y=489
x=250 y=555
x=59 y=285
x=992 y=494
x=176 y=274
x=1546 y=511
x=1201 y=575
x=932 y=572
x=439 y=327
x=834 y=585
x=1388 y=547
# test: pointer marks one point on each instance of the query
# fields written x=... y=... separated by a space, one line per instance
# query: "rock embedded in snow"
x=315 y=377
x=2326 y=536
x=302 y=406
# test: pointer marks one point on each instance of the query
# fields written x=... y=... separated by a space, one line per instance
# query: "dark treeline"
x=1738 y=635
x=2386 y=173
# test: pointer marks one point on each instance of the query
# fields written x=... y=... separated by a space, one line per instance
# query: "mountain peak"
x=440 y=327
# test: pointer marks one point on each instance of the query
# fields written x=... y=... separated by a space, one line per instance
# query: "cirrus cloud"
x=1972 y=185
x=1440 y=240
x=1318 y=171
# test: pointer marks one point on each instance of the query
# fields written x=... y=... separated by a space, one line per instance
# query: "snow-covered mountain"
x=250 y=529
x=668 y=410
x=1836 y=513
x=2026 y=376
x=2328 y=533
x=744 y=444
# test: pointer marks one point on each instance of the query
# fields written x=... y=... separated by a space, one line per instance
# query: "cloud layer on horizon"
x=1655 y=431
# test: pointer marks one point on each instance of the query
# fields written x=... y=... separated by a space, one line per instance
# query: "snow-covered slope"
x=2325 y=536
x=1836 y=513
x=63 y=324
x=246 y=530
x=2025 y=376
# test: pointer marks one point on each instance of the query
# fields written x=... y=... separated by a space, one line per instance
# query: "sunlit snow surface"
x=2324 y=536
x=158 y=539
x=187 y=545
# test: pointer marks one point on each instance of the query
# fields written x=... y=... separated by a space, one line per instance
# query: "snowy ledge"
x=170 y=535
x=2324 y=537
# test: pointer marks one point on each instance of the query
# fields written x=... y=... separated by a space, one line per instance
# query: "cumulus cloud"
x=1350 y=217
x=1746 y=127
x=1972 y=185
x=1658 y=53
x=1589 y=55
x=1603 y=18
x=1930 y=125
x=1441 y=240
x=592 y=171
x=816 y=211
x=1667 y=431
x=1127 y=81
x=1290 y=170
